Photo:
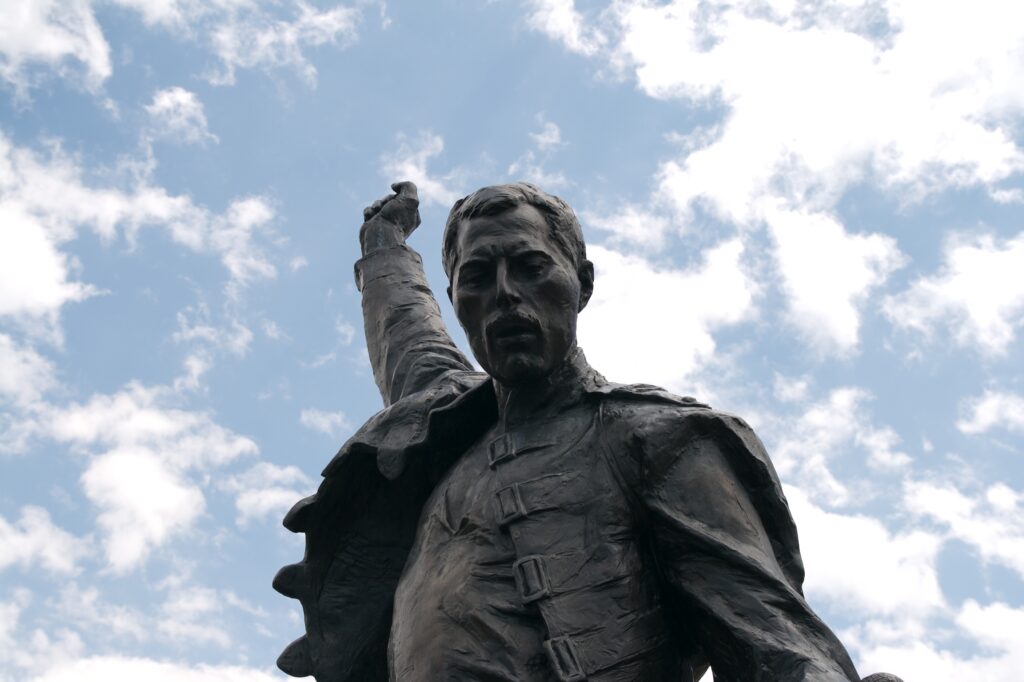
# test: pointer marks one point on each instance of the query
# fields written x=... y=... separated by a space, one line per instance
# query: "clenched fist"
x=391 y=219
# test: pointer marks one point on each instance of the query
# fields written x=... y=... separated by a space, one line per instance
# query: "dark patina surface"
x=536 y=522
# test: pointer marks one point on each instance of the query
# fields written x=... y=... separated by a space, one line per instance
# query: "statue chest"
x=532 y=536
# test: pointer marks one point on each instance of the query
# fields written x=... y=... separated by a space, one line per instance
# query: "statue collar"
x=557 y=392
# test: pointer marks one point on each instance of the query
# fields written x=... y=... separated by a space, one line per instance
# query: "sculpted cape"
x=741 y=597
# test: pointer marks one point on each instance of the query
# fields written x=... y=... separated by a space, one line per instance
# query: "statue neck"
x=546 y=396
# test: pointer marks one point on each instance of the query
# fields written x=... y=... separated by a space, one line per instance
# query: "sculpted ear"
x=586 y=275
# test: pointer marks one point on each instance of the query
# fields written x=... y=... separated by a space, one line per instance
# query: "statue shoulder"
x=668 y=418
x=640 y=412
x=659 y=428
x=646 y=394
x=681 y=444
x=641 y=421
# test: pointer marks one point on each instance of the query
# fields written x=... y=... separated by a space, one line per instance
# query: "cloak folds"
x=362 y=521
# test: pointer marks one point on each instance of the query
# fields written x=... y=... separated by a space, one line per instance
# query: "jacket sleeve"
x=406 y=338
x=727 y=550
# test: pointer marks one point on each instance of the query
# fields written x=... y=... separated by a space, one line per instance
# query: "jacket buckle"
x=531 y=578
x=510 y=505
x=562 y=653
x=500 y=449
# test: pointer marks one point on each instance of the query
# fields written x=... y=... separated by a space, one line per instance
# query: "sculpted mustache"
x=516 y=319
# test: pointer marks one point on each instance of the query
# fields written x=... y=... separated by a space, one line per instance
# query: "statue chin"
x=519 y=369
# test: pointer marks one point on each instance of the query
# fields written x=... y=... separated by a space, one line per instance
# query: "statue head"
x=518 y=277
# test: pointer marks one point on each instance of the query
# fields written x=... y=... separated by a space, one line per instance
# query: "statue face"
x=516 y=295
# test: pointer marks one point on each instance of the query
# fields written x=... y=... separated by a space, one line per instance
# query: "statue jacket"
x=651 y=532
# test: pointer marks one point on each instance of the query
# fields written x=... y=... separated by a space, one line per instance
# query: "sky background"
x=806 y=212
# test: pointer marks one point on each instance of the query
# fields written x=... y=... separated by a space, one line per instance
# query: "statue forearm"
x=408 y=344
x=378 y=234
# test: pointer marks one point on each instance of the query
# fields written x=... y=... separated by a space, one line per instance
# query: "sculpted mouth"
x=511 y=329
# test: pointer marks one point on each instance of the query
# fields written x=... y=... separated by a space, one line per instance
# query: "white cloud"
x=45 y=201
x=144 y=417
x=175 y=13
x=346 y=332
x=85 y=607
x=10 y=614
x=857 y=564
x=34 y=273
x=232 y=236
x=261 y=41
x=978 y=293
x=25 y=375
x=188 y=616
x=195 y=326
x=115 y=668
x=665 y=317
x=196 y=365
x=631 y=224
x=38 y=649
x=828 y=273
x=559 y=20
x=997 y=625
x=886 y=584
x=530 y=165
x=321 y=360
x=992 y=522
x=33 y=540
x=143 y=450
x=272 y=330
x=529 y=168
x=828 y=431
x=803 y=87
x=66 y=38
x=820 y=98
x=991 y=410
x=548 y=137
x=51 y=33
x=267 y=489
x=999 y=657
x=790 y=389
x=332 y=424
x=178 y=114
x=409 y=162
x=143 y=503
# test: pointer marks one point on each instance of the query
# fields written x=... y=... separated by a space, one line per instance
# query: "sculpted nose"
x=507 y=296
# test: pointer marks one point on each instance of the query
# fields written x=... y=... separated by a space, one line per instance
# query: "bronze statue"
x=536 y=523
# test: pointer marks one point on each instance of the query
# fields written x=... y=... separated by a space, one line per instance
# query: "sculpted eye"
x=471 y=276
x=533 y=266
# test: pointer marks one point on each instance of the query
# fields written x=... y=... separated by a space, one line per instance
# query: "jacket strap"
x=515 y=443
x=518 y=500
x=578 y=656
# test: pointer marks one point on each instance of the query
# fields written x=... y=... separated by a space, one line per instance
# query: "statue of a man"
x=536 y=523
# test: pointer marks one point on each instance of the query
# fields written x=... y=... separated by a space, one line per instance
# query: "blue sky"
x=808 y=213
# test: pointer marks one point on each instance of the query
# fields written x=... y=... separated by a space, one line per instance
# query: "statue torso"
x=457 y=613
x=528 y=557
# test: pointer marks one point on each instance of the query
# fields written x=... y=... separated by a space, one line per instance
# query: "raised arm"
x=408 y=344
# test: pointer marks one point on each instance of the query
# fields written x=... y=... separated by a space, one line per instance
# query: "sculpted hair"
x=563 y=226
